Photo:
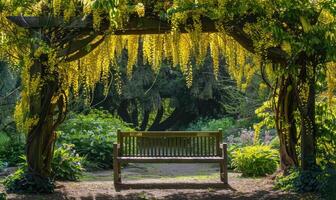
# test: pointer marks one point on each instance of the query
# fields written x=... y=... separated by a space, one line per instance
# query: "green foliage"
x=211 y=124
x=317 y=180
x=11 y=150
x=255 y=160
x=2 y=165
x=3 y=196
x=232 y=129
x=275 y=143
x=23 y=182
x=326 y=141
x=93 y=136
x=236 y=134
x=67 y=164
x=265 y=112
x=231 y=148
x=4 y=139
x=322 y=179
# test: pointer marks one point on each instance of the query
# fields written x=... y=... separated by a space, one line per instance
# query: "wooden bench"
x=170 y=147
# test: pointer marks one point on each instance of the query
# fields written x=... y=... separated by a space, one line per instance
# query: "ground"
x=164 y=181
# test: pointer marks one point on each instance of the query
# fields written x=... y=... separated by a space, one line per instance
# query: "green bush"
x=211 y=124
x=256 y=160
x=67 y=164
x=93 y=136
x=275 y=143
x=12 y=150
x=3 y=165
x=326 y=134
x=231 y=149
x=322 y=181
x=3 y=196
x=4 y=139
x=22 y=182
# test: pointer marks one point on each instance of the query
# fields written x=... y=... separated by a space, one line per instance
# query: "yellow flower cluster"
x=140 y=9
x=178 y=47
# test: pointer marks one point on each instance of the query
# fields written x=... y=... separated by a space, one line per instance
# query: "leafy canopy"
x=249 y=34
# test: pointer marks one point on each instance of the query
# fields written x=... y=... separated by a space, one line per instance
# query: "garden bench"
x=169 y=147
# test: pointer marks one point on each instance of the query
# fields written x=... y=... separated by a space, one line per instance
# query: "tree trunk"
x=157 y=120
x=308 y=131
x=171 y=120
x=123 y=113
x=43 y=105
x=135 y=111
x=145 y=120
x=286 y=124
x=41 y=136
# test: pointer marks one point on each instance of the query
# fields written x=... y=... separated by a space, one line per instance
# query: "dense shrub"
x=11 y=150
x=4 y=139
x=22 y=182
x=211 y=124
x=275 y=143
x=231 y=148
x=256 y=160
x=3 y=165
x=326 y=135
x=318 y=180
x=93 y=136
x=67 y=164
x=3 y=196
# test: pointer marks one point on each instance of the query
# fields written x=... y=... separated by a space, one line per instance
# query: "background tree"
x=163 y=101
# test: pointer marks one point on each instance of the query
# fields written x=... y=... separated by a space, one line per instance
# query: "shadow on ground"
x=148 y=195
x=198 y=196
x=206 y=186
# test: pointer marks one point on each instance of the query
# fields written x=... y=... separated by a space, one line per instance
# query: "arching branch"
x=83 y=52
x=140 y=26
x=77 y=45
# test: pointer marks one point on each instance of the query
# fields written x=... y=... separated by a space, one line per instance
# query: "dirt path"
x=164 y=181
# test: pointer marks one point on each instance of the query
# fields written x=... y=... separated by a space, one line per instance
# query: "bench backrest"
x=170 y=143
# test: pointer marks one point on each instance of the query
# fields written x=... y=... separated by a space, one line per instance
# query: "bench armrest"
x=223 y=149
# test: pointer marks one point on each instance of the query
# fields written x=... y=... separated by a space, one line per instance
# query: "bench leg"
x=116 y=165
x=119 y=172
x=223 y=164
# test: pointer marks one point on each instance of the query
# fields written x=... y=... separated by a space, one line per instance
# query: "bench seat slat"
x=170 y=159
